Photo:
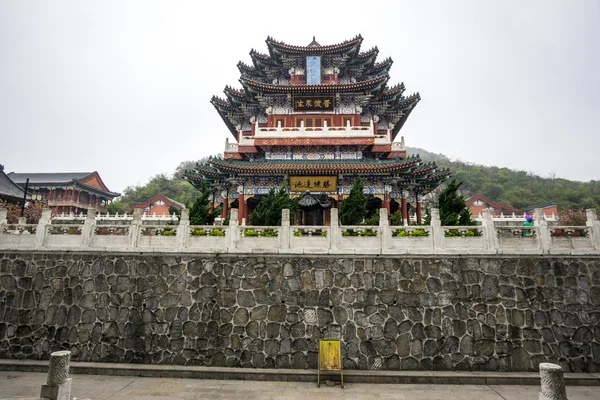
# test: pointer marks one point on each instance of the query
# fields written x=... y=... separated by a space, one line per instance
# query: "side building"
x=67 y=192
x=313 y=119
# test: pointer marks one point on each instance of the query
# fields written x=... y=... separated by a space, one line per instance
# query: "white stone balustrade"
x=135 y=236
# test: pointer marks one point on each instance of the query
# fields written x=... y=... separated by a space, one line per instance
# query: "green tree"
x=453 y=206
x=354 y=209
x=200 y=212
x=268 y=211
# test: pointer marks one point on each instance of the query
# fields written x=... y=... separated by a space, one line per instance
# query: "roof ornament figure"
x=314 y=43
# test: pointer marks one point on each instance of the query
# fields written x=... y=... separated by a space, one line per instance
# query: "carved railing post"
x=89 y=228
x=553 y=383
x=284 y=234
x=489 y=231
x=384 y=230
x=58 y=385
x=436 y=229
x=233 y=231
x=334 y=229
x=594 y=224
x=543 y=233
x=183 y=230
x=42 y=227
x=135 y=228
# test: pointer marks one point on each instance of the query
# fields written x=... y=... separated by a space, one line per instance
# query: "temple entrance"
x=313 y=210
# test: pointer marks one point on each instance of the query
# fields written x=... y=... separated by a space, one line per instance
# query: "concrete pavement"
x=15 y=384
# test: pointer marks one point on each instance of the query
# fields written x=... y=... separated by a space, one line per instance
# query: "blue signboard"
x=313 y=70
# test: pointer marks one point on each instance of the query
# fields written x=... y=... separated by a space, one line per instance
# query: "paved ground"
x=100 y=387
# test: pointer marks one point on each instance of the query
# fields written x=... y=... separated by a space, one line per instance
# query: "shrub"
x=396 y=218
x=420 y=232
x=323 y=233
x=269 y=233
x=169 y=232
x=250 y=233
x=349 y=233
x=298 y=233
x=402 y=233
x=217 y=232
x=198 y=232
x=368 y=232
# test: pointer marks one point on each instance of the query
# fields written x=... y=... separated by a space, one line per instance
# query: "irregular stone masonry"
x=432 y=313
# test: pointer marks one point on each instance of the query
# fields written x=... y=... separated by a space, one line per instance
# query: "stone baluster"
x=553 y=383
x=58 y=384
x=436 y=230
x=233 y=231
x=3 y=218
x=489 y=231
x=42 y=227
x=592 y=222
x=135 y=228
x=334 y=229
x=183 y=230
x=284 y=234
x=543 y=233
x=384 y=230
x=89 y=228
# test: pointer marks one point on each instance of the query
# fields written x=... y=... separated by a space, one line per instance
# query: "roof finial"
x=314 y=43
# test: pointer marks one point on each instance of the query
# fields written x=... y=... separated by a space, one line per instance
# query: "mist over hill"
x=517 y=188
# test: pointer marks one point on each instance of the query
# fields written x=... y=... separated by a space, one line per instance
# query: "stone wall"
x=465 y=313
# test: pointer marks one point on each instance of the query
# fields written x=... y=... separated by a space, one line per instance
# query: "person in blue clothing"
x=528 y=222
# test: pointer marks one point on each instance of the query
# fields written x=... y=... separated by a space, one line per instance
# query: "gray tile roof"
x=51 y=177
x=10 y=189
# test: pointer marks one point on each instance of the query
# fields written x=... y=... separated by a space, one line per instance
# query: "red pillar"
x=72 y=194
x=241 y=208
x=225 y=208
x=211 y=207
x=386 y=204
x=419 y=212
x=404 y=213
x=246 y=212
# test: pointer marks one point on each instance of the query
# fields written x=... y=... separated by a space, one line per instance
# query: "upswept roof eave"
x=284 y=48
x=107 y=193
x=377 y=82
x=316 y=167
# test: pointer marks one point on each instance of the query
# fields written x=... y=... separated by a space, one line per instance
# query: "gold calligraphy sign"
x=313 y=183
x=330 y=355
x=313 y=103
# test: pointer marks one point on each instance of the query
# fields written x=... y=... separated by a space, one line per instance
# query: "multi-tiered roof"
x=357 y=72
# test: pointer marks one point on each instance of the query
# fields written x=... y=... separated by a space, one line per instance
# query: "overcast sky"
x=123 y=87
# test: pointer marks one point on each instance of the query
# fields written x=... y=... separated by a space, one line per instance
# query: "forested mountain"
x=501 y=185
x=517 y=188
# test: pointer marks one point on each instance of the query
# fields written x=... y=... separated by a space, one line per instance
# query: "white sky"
x=123 y=87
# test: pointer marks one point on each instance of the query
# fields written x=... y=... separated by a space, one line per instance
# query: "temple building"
x=67 y=192
x=159 y=205
x=313 y=119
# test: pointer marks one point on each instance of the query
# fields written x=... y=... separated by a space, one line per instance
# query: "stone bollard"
x=553 y=384
x=58 y=385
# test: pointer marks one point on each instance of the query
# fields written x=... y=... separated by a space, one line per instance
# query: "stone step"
x=295 y=375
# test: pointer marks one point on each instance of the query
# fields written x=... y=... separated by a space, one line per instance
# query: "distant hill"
x=503 y=185
x=517 y=188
